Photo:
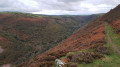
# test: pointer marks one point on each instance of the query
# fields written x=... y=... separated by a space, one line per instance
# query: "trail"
x=112 y=44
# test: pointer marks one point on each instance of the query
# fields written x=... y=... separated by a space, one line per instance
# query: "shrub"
x=103 y=50
x=71 y=65
x=49 y=58
x=69 y=56
x=46 y=64
x=58 y=54
x=86 y=57
x=96 y=55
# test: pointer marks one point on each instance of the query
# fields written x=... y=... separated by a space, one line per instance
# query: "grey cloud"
x=67 y=1
x=58 y=6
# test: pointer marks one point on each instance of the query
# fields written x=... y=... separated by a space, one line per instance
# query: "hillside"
x=23 y=35
x=96 y=45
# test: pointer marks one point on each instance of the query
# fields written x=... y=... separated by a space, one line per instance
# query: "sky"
x=59 y=7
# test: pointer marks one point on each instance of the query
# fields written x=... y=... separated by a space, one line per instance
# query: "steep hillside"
x=23 y=36
x=96 y=45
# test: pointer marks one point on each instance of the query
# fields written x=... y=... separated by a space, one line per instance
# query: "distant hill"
x=25 y=35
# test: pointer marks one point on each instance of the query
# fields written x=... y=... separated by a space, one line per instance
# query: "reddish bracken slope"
x=93 y=34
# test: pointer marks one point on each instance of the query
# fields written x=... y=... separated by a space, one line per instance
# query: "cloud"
x=58 y=7
x=69 y=1
x=18 y=5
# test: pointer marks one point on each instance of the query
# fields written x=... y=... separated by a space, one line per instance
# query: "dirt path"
x=112 y=44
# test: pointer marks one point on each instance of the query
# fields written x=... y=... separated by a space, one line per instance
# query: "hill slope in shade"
x=23 y=36
x=89 y=47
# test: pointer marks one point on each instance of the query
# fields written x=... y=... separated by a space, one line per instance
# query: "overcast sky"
x=59 y=7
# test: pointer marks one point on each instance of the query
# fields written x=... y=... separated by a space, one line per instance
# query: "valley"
x=24 y=36
x=36 y=40
x=95 y=45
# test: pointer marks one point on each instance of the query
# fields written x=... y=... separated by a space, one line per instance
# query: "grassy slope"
x=111 y=60
x=115 y=37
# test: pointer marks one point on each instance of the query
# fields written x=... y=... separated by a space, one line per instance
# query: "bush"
x=96 y=55
x=69 y=56
x=49 y=58
x=71 y=65
x=58 y=54
x=46 y=64
x=103 y=50
x=86 y=57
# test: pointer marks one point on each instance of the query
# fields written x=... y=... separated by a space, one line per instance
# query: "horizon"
x=51 y=14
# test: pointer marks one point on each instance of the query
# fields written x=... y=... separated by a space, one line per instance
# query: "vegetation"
x=93 y=38
x=115 y=37
x=106 y=53
x=71 y=65
x=15 y=51
x=112 y=15
x=109 y=60
x=28 y=35
x=100 y=55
